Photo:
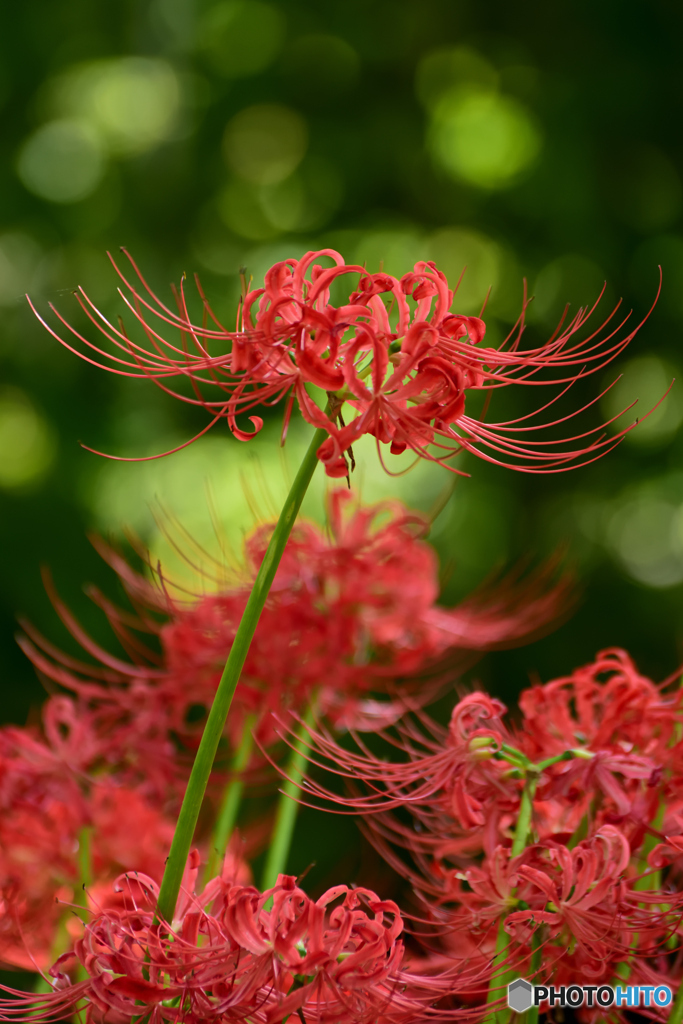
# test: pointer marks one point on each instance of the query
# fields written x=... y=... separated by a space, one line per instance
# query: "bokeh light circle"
x=647 y=378
x=263 y=144
x=27 y=444
x=645 y=536
x=131 y=103
x=455 y=250
x=483 y=138
x=135 y=102
x=241 y=37
x=62 y=162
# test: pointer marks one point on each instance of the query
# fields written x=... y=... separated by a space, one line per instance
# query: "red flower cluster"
x=234 y=954
x=551 y=847
x=348 y=614
x=350 y=611
x=580 y=906
x=598 y=754
x=49 y=804
x=392 y=353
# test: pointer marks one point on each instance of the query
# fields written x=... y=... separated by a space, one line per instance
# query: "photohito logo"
x=522 y=995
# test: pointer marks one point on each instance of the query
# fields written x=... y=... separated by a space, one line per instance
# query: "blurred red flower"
x=351 y=611
x=46 y=804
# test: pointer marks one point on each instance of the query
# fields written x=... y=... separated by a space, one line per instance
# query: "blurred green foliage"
x=536 y=141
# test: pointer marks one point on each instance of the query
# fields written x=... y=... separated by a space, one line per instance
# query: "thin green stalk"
x=62 y=939
x=287 y=810
x=60 y=944
x=201 y=769
x=526 y=810
x=647 y=882
x=519 y=842
x=84 y=864
x=227 y=815
x=676 y=1015
x=86 y=872
x=515 y=756
x=495 y=991
x=534 y=967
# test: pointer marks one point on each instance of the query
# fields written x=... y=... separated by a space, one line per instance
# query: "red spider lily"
x=458 y=793
x=599 y=775
x=234 y=953
x=666 y=853
x=84 y=735
x=606 y=705
x=442 y=764
x=45 y=804
x=587 y=901
x=630 y=725
x=405 y=370
x=580 y=904
x=348 y=614
x=591 y=906
x=462 y=786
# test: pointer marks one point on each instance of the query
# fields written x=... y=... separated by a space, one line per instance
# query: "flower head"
x=462 y=799
x=606 y=705
x=581 y=904
x=46 y=803
x=234 y=953
x=600 y=746
x=391 y=356
x=352 y=610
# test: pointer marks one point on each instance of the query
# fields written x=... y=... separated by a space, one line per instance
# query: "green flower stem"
x=84 y=864
x=287 y=810
x=534 y=968
x=519 y=842
x=648 y=882
x=63 y=940
x=201 y=769
x=526 y=810
x=526 y=807
x=566 y=755
x=227 y=815
x=518 y=759
x=60 y=944
x=513 y=755
x=501 y=1016
x=676 y=1015
x=86 y=873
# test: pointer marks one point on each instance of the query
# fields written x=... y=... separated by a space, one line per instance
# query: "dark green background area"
x=602 y=86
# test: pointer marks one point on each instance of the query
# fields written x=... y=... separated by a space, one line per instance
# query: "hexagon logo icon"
x=519 y=995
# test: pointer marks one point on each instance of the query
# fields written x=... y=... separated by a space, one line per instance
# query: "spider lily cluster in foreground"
x=561 y=835
x=548 y=848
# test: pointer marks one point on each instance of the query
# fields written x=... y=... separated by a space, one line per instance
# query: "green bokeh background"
x=528 y=141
